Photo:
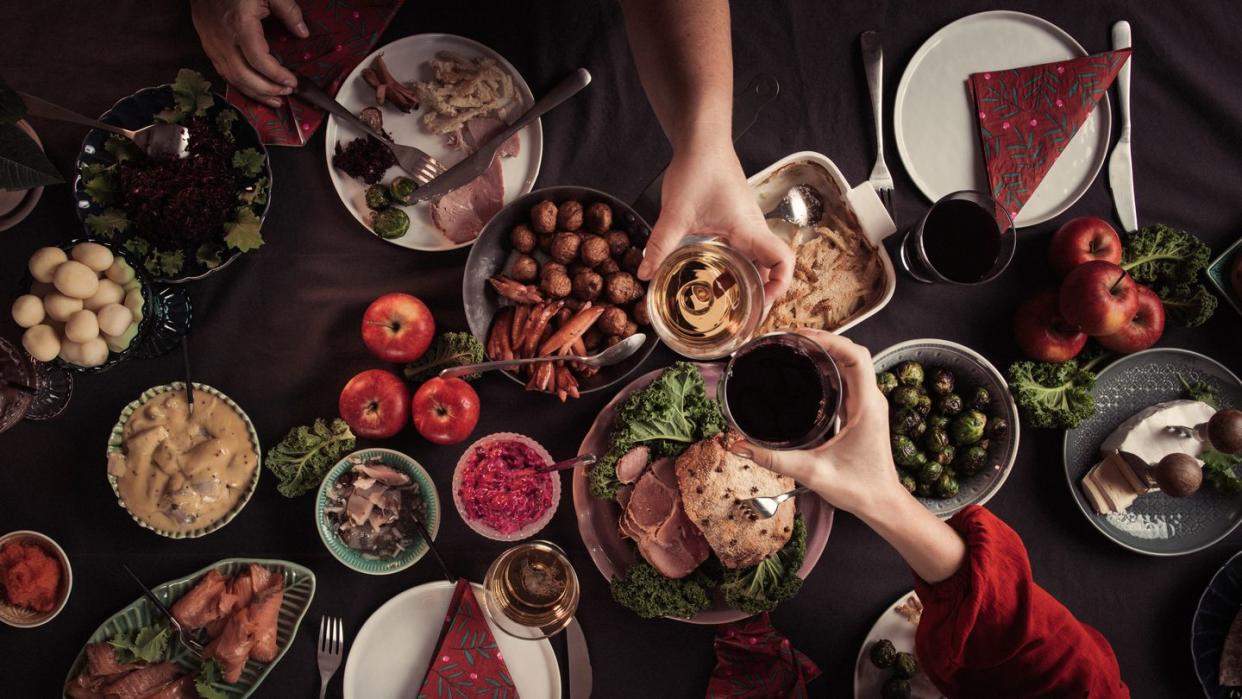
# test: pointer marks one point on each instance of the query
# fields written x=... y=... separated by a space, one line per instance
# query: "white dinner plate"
x=408 y=58
x=869 y=679
x=390 y=655
x=934 y=120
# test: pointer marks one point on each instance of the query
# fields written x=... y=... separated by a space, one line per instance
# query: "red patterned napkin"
x=342 y=33
x=756 y=662
x=467 y=661
x=1027 y=116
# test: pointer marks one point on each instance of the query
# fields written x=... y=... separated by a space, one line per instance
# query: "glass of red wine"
x=965 y=238
x=781 y=391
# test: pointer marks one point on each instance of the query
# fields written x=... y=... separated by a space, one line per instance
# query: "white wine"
x=532 y=590
x=705 y=300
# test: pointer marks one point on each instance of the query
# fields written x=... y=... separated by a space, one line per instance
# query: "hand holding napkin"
x=755 y=662
x=467 y=661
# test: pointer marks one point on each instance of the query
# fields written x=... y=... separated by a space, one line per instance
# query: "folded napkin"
x=1027 y=116
x=467 y=662
x=342 y=33
x=756 y=662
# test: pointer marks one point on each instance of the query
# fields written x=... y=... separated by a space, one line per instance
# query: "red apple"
x=397 y=328
x=1099 y=297
x=445 y=411
x=1082 y=240
x=1042 y=334
x=1143 y=329
x=375 y=404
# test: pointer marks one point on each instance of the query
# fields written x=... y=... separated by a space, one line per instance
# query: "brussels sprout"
x=949 y=471
x=377 y=197
x=402 y=189
x=895 y=688
x=910 y=373
x=905 y=396
x=942 y=382
x=908 y=482
x=950 y=404
x=938 y=421
x=917 y=429
x=936 y=440
x=980 y=399
x=970 y=460
x=905 y=666
x=883 y=653
x=390 y=223
x=930 y=472
x=924 y=490
x=903 y=450
x=906 y=421
x=887 y=381
x=984 y=444
x=997 y=427
x=923 y=405
x=967 y=428
x=945 y=456
x=946 y=486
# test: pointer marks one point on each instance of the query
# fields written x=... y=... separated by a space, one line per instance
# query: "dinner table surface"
x=278 y=330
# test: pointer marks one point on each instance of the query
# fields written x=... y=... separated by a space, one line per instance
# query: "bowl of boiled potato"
x=88 y=306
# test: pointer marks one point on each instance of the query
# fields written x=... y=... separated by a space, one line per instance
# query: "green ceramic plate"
x=1218 y=272
x=115 y=444
x=355 y=560
x=299 y=591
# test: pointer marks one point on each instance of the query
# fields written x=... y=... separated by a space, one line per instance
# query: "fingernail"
x=301 y=29
x=291 y=83
x=644 y=270
x=742 y=449
x=274 y=103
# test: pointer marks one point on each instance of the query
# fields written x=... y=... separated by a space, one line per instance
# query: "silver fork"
x=873 y=62
x=765 y=507
x=422 y=167
x=331 y=643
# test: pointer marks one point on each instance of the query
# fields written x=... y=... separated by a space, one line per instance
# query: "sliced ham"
x=461 y=213
x=631 y=464
x=140 y=682
x=654 y=517
x=480 y=129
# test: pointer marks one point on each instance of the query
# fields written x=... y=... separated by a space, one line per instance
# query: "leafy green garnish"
x=775 y=579
x=1054 y=395
x=148 y=644
x=249 y=161
x=256 y=194
x=1170 y=261
x=138 y=247
x=302 y=458
x=243 y=234
x=446 y=350
x=101 y=187
x=647 y=593
x=1220 y=470
x=192 y=93
x=107 y=222
x=209 y=255
x=224 y=121
x=165 y=263
x=121 y=148
x=1201 y=391
x=1189 y=304
x=205 y=682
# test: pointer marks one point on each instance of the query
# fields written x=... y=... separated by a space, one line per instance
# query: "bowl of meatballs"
x=555 y=272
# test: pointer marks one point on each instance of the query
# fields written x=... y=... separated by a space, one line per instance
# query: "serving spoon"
x=802 y=205
x=157 y=140
x=613 y=355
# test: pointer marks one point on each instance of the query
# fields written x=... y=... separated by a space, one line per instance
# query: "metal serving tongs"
x=183 y=636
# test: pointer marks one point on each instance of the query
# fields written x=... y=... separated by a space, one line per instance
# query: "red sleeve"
x=990 y=631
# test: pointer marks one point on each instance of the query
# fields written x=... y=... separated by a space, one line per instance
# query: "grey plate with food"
x=1155 y=524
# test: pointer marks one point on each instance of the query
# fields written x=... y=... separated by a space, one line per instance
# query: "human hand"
x=705 y=192
x=232 y=36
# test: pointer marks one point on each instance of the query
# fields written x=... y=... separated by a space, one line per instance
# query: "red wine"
x=962 y=240
x=776 y=394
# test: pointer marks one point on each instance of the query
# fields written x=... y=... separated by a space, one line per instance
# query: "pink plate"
x=597 y=519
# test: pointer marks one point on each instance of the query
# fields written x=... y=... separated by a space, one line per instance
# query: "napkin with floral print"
x=342 y=33
x=756 y=662
x=1027 y=116
x=467 y=661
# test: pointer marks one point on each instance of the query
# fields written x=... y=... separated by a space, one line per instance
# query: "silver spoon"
x=766 y=507
x=802 y=205
x=157 y=140
x=613 y=355
x=580 y=460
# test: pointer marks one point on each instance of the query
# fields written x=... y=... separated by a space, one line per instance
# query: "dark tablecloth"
x=278 y=331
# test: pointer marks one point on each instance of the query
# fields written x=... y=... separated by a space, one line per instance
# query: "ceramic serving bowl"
x=973 y=370
x=116 y=445
x=20 y=617
x=355 y=560
x=532 y=528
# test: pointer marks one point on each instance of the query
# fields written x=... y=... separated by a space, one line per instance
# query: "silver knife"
x=1120 y=166
x=580 y=675
x=476 y=164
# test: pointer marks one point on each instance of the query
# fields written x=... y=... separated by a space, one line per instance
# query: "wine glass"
x=30 y=389
x=965 y=238
x=531 y=590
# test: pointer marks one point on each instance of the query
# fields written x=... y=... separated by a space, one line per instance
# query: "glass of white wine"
x=531 y=590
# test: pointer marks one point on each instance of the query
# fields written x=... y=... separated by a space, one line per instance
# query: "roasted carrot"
x=571 y=330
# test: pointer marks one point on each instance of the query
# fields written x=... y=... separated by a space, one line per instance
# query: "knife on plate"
x=1120 y=165
x=580 y=675
x=477 y=163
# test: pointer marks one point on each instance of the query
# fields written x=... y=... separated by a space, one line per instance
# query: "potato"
x=75 y=280
x=71 y=352
x=108 y=292
x=121 y=342
x=60 y=307
x=93 y=255
x=82 y=326
x=94 y=352
x=44 y=261
x=41 y=342
x=114 y=319
x=134 y=302
x=28 y=310
x=120 y=271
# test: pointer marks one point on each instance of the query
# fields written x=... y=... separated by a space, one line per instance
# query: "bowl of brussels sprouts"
x=953 y=424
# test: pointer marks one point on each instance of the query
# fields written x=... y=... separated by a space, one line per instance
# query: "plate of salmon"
x=245 y=611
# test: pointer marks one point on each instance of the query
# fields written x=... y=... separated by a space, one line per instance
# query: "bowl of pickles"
x=953 y=425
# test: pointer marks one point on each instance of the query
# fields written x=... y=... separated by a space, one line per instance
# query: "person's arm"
x=232 y=35
x=685 y=60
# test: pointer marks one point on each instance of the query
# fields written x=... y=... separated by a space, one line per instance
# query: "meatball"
x=524 y=268
x=621 y=288
x=587 y=285
x=565 y=247
x=545 y=242
x=618 y=243
x=592 y=338
x=523 y=238
x=569 y=216
x=598 y=217
x=611 y=340
x=594 y=250
x=543 y=217
x=550 y=267
x=556 y=284
x=608 y=266
x=612 y=321
x=639 y=312
x=633 y=258
x=629 y=329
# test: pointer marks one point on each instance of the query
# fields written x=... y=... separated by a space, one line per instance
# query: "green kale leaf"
x=243 y=234
x=192 y=93
x=650 y=595
x=209 y=255
x=1220 y=469
x=447 y=350
x=249 y=161
x=107 y=223
x=165 y=263
x=302 y=458
x=761 y=587
x=1054 y=395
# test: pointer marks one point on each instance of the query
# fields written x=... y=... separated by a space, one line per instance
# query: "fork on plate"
x=873 y=62
x=331 y=645
x=765 y=507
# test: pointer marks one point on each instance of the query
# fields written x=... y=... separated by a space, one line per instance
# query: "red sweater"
x=990 y=631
